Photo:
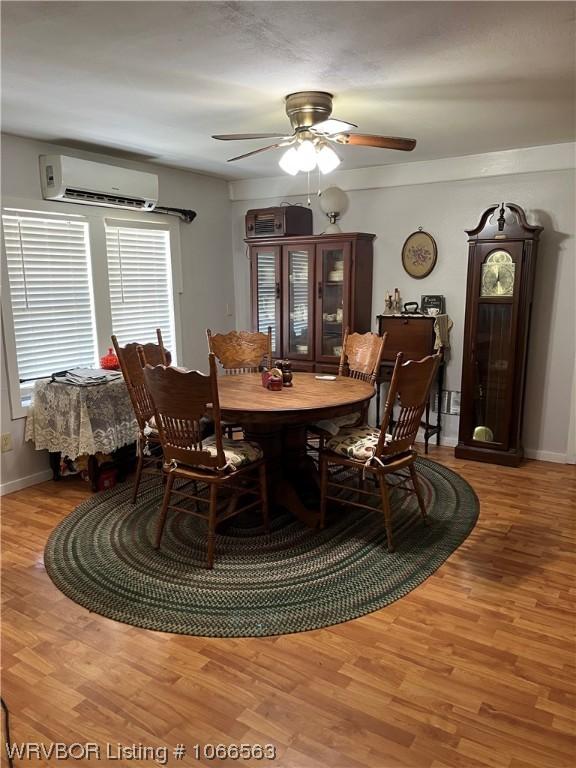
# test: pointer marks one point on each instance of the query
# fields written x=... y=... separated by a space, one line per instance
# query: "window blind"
x=299 y=288
x=140 y=280
x=50 y=292
x=266 y=277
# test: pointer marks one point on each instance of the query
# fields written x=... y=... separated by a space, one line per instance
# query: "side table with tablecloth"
x=76 y=420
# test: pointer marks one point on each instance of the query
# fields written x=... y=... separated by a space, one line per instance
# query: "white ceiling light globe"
x=327 y=159
x=307 y=155
x=289 y=162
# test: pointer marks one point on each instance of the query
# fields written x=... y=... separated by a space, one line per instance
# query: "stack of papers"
x=86 y=377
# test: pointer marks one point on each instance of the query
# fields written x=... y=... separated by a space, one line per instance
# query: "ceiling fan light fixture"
x=306 y=155
x=290 y=162
x=313 y=127
x=332 y=126
x=327 y=159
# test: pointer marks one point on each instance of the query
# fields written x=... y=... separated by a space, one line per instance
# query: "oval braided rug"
x=290 y=580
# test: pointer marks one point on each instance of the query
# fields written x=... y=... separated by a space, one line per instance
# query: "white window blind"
x=299 y=289
x=140 y=279
x=266 y=277
x=50 y=291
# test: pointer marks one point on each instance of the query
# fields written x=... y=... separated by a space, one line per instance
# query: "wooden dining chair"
x=377 y=452
x=240 y=352
x=148 y=442
x=180 y=400
x=360 y=359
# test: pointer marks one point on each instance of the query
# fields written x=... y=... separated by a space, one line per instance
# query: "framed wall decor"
x=435 y=302
x=419 y=254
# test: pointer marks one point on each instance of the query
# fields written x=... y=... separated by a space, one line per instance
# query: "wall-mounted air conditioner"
x=82 y=181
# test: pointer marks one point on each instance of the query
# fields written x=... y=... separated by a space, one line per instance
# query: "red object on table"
x=110 y=361
x=275 y=383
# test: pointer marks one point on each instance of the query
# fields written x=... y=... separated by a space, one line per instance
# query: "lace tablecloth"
x=80 y=420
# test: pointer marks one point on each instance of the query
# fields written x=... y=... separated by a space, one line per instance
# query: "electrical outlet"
x=450 y=403
x=455 y=404
x=6 y=442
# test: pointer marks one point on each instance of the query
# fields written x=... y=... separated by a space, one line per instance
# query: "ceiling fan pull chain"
x=308 y=202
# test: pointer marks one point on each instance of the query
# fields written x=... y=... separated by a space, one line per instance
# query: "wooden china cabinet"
x=501 y=265
x=308 y=289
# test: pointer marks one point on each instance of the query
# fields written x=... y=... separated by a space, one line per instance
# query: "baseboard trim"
x=529 y=453
x=25 y=482
x=557 y=458
x=449 y=442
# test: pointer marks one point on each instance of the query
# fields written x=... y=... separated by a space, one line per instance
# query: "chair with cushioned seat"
x=180 y=400
x=148 y=441
x=360 y=359
x=379 y=453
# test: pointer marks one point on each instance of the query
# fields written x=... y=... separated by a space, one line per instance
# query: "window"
x=51 y=295
x=140 y=280
x=73 y=279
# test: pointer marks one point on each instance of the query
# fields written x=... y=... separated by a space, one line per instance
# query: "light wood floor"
x=473 y=668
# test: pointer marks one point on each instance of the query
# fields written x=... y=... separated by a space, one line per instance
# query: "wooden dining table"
x=277 y=421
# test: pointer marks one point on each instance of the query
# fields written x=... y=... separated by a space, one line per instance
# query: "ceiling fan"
x=314 y=135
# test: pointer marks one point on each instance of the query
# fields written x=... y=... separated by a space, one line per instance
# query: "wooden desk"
x=415 y=337
x=277 y=421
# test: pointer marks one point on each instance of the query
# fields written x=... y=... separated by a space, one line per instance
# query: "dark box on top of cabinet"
x=414 y=336
x=283 y=220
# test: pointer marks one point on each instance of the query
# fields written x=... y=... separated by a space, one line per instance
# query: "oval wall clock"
x=419 y=254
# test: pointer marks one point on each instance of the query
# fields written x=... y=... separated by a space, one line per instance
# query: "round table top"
x=243 y=398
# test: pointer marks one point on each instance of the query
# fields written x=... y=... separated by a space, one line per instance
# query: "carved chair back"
x=361 y=355
x=241 y=351
x=131 y=368
x=180 y=399
x=410 y=388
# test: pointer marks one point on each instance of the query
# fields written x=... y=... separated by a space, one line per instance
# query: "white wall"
x=391 y=202
x=445 y=209
x=208 y=297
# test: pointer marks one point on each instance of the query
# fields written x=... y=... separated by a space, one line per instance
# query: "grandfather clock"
x=501 y=264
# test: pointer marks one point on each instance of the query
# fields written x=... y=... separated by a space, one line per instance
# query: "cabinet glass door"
x=492 y=372
x=298 y=297
x=491 y=376
x=265 y=264
x=333 y=268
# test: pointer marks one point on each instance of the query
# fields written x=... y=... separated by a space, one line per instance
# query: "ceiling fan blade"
x=333 y=126
x=242 y=136
x=383 y=142
x=256 y=151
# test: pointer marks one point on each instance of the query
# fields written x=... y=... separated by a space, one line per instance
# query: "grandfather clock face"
x=498 y=273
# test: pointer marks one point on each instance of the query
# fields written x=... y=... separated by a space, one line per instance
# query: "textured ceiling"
x=156 y=79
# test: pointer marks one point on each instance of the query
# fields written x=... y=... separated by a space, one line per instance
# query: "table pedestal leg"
x=287 y=466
